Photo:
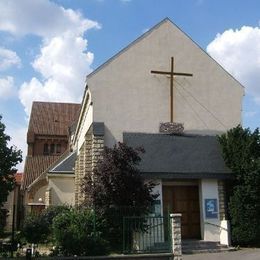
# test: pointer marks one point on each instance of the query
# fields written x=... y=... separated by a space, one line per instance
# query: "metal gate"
x=146 y=235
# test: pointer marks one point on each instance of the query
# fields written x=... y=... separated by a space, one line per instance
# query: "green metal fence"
x=146 y=235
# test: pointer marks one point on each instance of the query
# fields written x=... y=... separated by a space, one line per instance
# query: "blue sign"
x=211 y=208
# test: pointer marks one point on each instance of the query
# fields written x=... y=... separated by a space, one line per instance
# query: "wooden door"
x=184 y=200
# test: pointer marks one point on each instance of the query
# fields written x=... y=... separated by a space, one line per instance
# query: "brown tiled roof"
x=34 y=166
x=50 y=118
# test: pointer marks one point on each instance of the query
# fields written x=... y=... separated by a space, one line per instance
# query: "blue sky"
x=48 y=47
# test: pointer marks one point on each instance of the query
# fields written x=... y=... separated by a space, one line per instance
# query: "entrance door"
x=184 y=200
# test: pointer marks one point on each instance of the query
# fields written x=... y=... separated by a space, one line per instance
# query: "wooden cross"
x=172 y=74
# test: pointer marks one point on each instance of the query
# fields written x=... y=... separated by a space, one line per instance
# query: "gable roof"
x=168 y=156
x=50 y=118
x=144 y=35
x=66 y=165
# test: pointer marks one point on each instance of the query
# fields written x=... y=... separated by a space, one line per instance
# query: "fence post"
x=176 y=236
x=124 y=236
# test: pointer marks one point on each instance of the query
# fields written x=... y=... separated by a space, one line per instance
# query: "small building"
x=48 y=141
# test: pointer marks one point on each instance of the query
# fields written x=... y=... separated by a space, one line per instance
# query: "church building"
x=166 y=94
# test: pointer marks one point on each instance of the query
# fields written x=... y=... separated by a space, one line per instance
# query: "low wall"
x=163 y=256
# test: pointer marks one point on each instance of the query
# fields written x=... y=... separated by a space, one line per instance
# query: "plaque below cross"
x=172 y=74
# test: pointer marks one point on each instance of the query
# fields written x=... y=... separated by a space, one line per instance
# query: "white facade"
x=39 y=196
x=127 y=97
x=84 y=122
x=61 y=188
x=209 y=227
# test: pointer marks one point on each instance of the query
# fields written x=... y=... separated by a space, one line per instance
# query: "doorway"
x=184 y=200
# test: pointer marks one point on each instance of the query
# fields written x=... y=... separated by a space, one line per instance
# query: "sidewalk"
x=243 y=254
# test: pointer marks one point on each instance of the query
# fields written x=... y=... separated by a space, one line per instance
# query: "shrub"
x=244 y=209
x=241 y=151
x=79 y=232
x=3 y=214
x=38 y=227
x=35 y=228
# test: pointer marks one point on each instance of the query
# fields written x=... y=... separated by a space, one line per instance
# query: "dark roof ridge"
x=166 y=134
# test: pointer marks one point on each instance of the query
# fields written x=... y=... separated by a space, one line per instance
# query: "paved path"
x=243 y=254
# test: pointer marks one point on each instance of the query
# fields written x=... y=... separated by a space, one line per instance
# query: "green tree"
x=9 y=158
x=241 y=151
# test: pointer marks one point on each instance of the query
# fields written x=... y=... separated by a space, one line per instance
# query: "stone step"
x=201 y=246
x=200 y=251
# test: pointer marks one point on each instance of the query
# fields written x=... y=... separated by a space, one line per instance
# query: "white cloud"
x=7 y=88
x=63 y=65
x=238 y=51
x=63 y=60
x=42 y=17
x=8 y=58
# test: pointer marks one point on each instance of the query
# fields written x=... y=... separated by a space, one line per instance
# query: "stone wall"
x=89 y=154
x=171 y=128
x=176 y=236
x=48 y=197
x=222 y=200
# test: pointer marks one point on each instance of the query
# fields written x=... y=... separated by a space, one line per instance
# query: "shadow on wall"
x=109 y=138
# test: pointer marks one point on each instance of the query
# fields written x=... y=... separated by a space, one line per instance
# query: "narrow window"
x=45 y=149
x=58 y=148
x=52 y=148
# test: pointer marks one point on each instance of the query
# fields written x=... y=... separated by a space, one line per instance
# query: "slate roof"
x=35 y=166
x=50 y=118
x=168 y=156
x=66 y=165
